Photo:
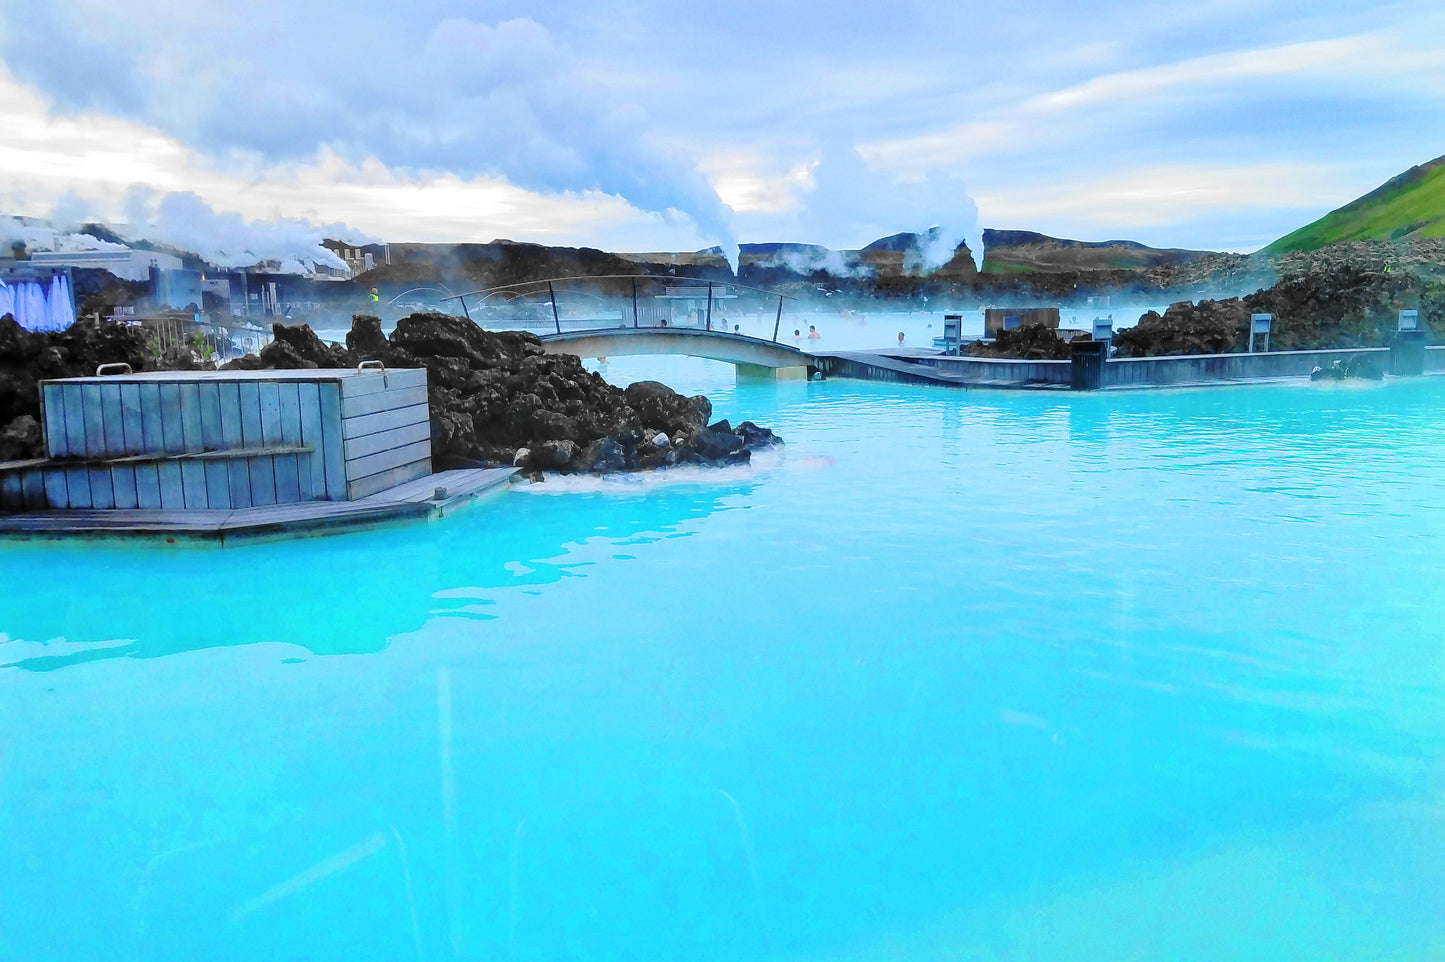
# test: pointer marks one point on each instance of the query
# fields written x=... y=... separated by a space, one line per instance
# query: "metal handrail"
x=487 y=292
x=661 y=278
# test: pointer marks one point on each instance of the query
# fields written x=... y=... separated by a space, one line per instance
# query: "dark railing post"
x=709 y=305
x=555 y=319
x=468 y=313
x=634 y=302
x=778 y=323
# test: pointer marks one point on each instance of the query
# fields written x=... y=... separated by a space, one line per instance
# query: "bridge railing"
x=601 y=302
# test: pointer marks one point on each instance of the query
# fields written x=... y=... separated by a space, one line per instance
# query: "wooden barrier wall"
x=235 y=439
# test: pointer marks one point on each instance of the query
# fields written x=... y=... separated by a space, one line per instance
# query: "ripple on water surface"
x=957 y=675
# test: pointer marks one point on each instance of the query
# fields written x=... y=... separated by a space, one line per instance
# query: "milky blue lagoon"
x=960 y=676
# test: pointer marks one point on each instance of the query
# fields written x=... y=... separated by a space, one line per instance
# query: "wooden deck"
x=412 y=500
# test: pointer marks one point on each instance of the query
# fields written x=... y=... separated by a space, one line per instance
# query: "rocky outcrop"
x=1209 y=327
x=1033 y=342
x=1346 y=306
x=27 y=358
x=496 y=398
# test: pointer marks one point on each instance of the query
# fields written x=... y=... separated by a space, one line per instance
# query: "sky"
x=671 y=126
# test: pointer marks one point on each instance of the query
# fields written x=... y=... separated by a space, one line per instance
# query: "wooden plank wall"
x=366 y=433
x=386 y=430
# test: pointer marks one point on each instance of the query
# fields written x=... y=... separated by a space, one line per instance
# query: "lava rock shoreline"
x=497 y=398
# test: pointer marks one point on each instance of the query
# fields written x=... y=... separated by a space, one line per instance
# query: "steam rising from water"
x=807 y=260
x=852 y=204
x=228 y=240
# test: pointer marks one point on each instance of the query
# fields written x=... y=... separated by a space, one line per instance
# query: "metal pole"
x=634 y=302
x=779 y=321
x=468 y=313
x=709 y=305
x=555 y=319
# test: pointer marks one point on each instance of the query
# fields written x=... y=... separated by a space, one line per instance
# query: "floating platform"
x=418 y=499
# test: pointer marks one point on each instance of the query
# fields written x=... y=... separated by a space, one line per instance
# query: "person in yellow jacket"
x=375 y=296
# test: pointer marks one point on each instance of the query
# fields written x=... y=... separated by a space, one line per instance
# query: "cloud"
x=624 y=125
x=1118 y=96
x=88 y=164
x=1156 y=195
x=422 y=95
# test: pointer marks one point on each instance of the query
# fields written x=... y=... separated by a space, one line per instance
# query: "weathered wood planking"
x=408 y=500
x=398 y=464
x=333 y=453
x=102 y=490
x=339 y=427
x=193 y=473
x=52 y=416
x=352 y=407
x=381 y=481
x=309 y=403
x=238 y=472
x=383 y=421
x=173 y=441
x=218 y=476
x=370 y=382
x=12 y=493
x=387 y=431
x=395 y=438
x=122 y=477
x=261 y=470
x=293 y=477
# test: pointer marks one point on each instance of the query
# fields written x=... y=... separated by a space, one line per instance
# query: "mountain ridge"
x=1407 y=206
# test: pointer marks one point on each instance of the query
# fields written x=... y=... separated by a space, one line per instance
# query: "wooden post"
x=709 y=305
x=779 y=321
x=555 y=319
x=634 y=302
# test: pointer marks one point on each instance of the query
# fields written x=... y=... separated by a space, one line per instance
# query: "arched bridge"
x=753 y=356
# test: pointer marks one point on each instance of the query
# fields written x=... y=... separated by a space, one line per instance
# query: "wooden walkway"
x=903 y=366
x=877 y=366
x=412 y=500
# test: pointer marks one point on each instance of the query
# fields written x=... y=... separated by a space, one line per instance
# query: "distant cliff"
x=1022 y=252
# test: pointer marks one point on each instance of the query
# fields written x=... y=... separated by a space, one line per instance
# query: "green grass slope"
x=1407 y=206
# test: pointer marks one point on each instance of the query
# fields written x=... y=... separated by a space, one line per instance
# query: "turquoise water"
x=960 y=676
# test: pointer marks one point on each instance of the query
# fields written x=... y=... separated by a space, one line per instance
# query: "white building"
x=132 y=265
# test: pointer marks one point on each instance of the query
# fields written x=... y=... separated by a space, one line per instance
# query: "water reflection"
x=346 y=594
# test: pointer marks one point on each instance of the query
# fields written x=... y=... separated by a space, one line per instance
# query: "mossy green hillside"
x=1410 y=205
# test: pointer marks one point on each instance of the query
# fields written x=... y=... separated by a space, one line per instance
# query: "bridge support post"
x=777 y=323
x=709 y=305
x=555 y=318
x=756 y=372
